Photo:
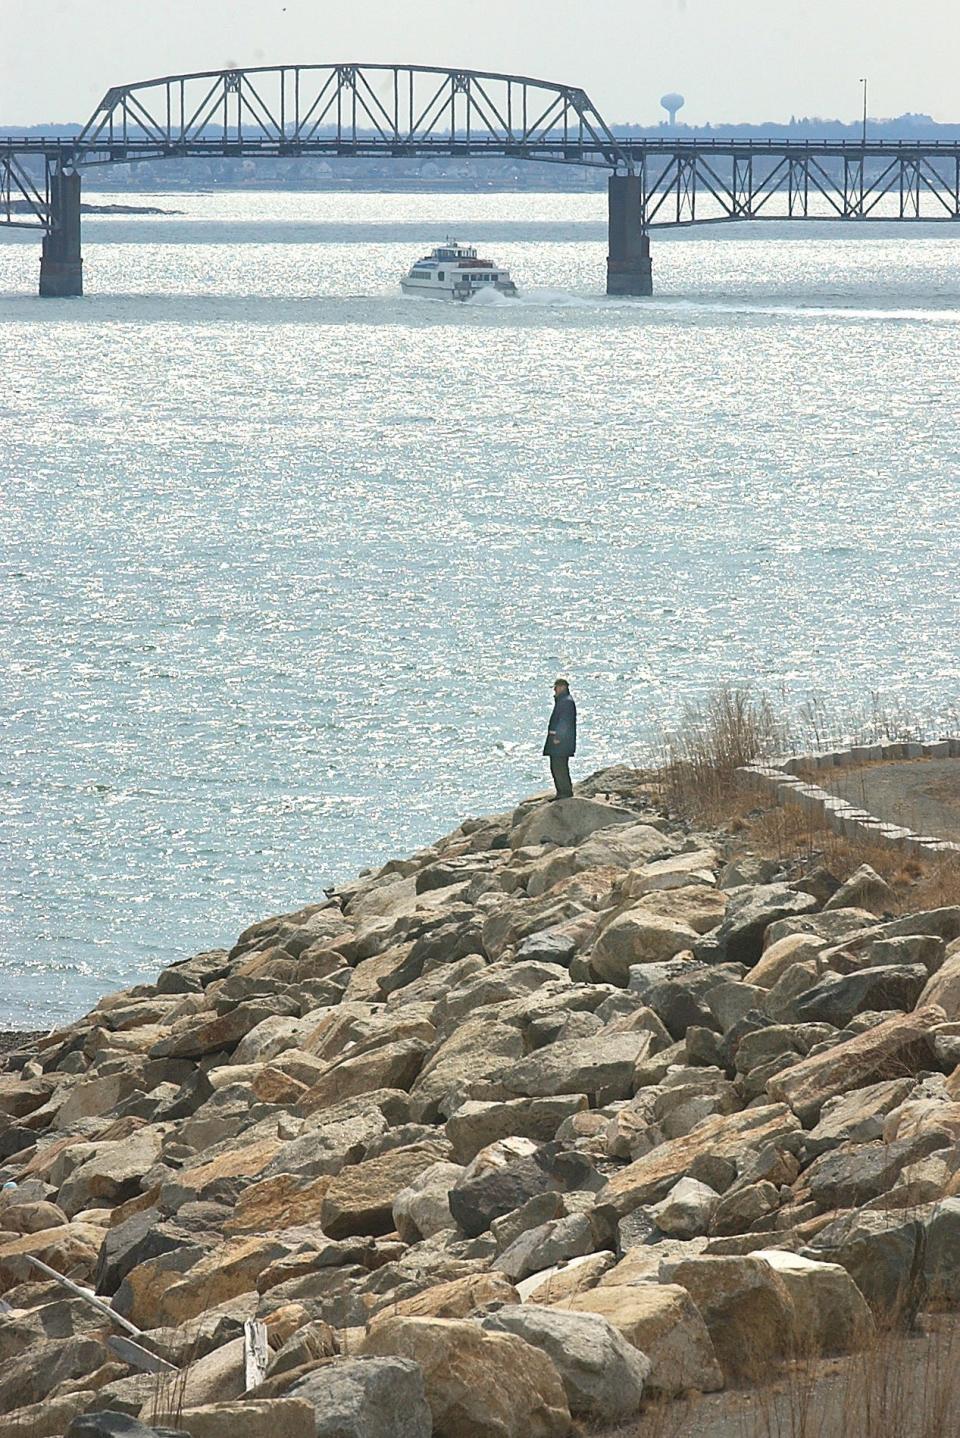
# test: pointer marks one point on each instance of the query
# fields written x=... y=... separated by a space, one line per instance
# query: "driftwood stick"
x=88 y=1298
x=139 y=1357
x=256 y=1353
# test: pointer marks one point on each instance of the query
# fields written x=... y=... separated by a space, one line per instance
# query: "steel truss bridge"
x=377 y=111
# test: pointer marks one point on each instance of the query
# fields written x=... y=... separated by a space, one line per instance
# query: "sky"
x=734 y=60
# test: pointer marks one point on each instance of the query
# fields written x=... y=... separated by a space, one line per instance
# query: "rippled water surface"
x=289 y=561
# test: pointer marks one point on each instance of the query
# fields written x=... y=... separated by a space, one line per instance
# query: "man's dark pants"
x=560 y=769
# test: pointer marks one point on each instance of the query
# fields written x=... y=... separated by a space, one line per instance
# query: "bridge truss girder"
x=358 y=109
x=693 y=183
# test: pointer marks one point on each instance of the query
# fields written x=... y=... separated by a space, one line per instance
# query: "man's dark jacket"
x=563 y=724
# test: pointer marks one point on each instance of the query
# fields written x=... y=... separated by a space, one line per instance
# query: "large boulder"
x=662 y=1322
x=361 y=1198
x=943 y=988
x=892 y=1049
x=601 y=1066
x=837 y=998
x=863 y=890
x=780 y=956
x=747 y=1309
x=565 y=823
x=832 y=1315
x=724 y=1136
x=474 y=1125
x=478 y=1384
x=379 y=1397
x=603 y=1375
x=638 y=937
x=750 y=912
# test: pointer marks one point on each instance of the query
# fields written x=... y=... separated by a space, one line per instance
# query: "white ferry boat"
x=453 y=272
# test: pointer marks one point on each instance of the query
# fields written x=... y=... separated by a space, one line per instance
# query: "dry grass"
x=802 y=841
x=899 y=1386
x=715 y=738
x=697 y=779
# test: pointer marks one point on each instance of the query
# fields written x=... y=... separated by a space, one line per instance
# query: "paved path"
x=921 y=794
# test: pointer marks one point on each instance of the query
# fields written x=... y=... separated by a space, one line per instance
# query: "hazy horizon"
x=736 y=61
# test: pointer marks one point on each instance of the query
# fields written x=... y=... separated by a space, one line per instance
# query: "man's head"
x=560 y=686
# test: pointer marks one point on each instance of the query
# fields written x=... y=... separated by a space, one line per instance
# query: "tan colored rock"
x=832 y=1315
x=245 y=1161
x=566 y=1280
x=273 y=1204
x=92 y=1097
x=389 y=1066
x=69 y=1248
x=680 y=871
x=699 y=907
x=31 y=1217
x=222 y=1031
x=271 y=1085
x=566 y=824
x=780 y=956
x=651 y=1177
x=457 y=1298
x=49 y=1418
x=112 y=1174
x=943 y=987
x=478 y=1384
x=924 y=1115
x=636 y=937
x=863 y=890
x=252 y=1418
x=360 y=1199
x=364 y=985
x=224 y=1273
x=900 y=1046
x=747 y=1308
x=478 y=1048
x=661 y=1320
x=217 y=1377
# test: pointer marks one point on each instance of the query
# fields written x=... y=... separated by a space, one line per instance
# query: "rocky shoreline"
x=574 y=1111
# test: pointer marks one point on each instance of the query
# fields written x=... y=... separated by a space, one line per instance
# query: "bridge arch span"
x=348 y=109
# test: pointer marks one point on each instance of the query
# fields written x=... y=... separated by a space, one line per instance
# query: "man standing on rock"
x=561 y=742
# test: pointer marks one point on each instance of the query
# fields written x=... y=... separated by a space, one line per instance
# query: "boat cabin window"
x=440 y=275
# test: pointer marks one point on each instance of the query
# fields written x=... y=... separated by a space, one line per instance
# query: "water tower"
x=672 y=103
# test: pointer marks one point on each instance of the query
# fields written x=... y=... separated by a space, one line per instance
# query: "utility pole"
x=863 y=136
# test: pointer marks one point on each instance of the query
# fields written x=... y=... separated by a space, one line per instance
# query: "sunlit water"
x=289 y=561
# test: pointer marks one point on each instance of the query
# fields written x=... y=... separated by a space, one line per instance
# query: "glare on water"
x=287 y=557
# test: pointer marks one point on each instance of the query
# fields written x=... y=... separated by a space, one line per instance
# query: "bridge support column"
x=629 y=268
x=61 y=267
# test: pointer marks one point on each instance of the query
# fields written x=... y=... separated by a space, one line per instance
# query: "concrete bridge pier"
x=629 y=268
x=61 y=266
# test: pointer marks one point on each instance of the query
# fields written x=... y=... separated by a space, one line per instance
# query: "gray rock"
x=475 y=1202
x=837 y=998
x=367 y=1398
x=546 y=1246
x=141 y=1237
x=534 y=1213
x=863 y=890
x=474 y=1124
x=105 y=1424
x=602 y=1374
x=751 y=911
x=687 y=1210
x=884 y=1253
x=422 y=1209
x=602 y=1066
x=850 y=1176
